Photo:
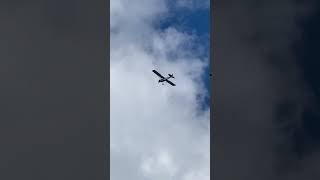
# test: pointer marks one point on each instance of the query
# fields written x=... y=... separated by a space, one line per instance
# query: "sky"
x=266 y=90
x=159 y=131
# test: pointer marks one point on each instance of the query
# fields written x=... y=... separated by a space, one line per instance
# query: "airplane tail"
x=171 y=75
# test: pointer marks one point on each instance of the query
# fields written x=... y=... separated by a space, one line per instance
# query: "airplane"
x=163 y=79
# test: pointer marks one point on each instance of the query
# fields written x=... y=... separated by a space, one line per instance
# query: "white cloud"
x=157 y=132
x=193 y=4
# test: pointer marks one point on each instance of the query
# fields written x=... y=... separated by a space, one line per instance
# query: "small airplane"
x=164 y=79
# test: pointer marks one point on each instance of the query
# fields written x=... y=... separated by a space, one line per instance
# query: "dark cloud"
x=265 y=118
x=53 y=89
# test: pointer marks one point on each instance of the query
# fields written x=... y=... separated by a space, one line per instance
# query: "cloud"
x=193 y=4
x=260 y=94
x=157 y=132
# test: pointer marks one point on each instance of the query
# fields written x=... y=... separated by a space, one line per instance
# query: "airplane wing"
x=157 y=73
x=170 y=82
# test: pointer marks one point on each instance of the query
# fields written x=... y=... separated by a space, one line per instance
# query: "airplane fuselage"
x=164 y=79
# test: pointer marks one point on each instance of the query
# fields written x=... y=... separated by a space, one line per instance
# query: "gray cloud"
x=259 y=92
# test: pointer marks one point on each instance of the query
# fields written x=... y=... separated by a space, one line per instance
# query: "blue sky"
x=158 y=132
x=198 y=22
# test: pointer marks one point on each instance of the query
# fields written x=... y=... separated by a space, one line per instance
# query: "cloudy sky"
x=158 y=131
x=266 y=90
